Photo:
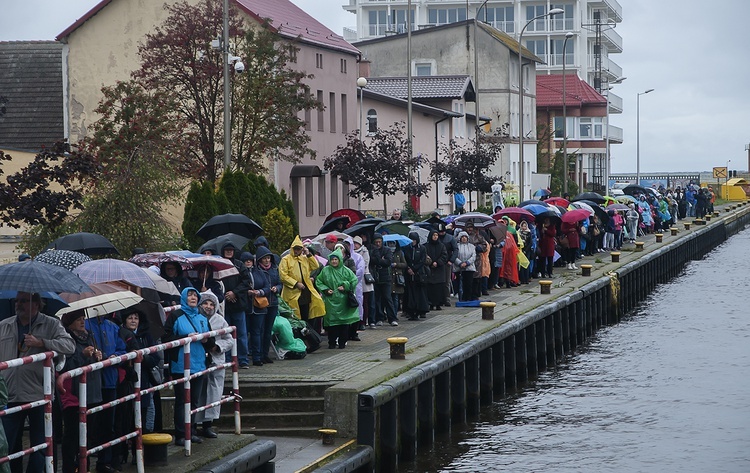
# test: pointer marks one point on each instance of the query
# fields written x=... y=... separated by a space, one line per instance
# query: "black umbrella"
x=64 y=258
x=600 y=212
x=229 y=223
x=336 y=223
x=550 y=215
x=215 y=244
x=634 y=189
x=84 y=242
x=33 y=276
x=591 y=196
x=435 y=221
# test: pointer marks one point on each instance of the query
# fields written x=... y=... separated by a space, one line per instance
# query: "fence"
x=138 y=355
x=46 y=401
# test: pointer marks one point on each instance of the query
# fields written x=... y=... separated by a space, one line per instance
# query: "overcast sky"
x=693 y=53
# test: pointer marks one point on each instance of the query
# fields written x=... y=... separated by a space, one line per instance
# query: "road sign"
x=720 y=172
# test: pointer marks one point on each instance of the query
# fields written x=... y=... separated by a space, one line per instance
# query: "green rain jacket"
x=338 y=311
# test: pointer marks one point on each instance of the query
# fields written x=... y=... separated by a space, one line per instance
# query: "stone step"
x=281 y=405
x=282 y=420
x=282 y=389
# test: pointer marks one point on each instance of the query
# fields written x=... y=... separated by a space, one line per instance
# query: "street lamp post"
x=227 y=91
x=726 y=182
x=554 y=11
x=638 y=136
x=361 y=83
x=568 y=35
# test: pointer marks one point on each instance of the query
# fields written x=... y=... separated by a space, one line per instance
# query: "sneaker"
x=394 y=324
x=379 y=323
x=372 y=325
x=574 y=266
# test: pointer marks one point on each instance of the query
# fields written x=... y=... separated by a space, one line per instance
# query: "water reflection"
x=667 y=389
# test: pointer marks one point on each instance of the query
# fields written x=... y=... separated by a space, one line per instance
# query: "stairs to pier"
x=278 y=408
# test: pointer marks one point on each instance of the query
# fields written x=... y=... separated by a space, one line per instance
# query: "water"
x=665 y=390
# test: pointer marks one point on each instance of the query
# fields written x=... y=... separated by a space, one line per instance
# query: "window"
x=500 y=18
x=372 y=121
x=343 y=66
x=423 y=69
x=533 y=11
x=292 y=50
x=321 y=112
x=308 y=113
x=556 y=51
x=564 y=21
x=590 y=128
x=398 y=20
x=322 y=195
x=309 y=196
x=570 y=128
x=344 y=117
x=377 y=21
x=459 y=124
x=443 y=16
x=332 y=110
x=538 y=47
x=319 y=60
x=334 y=192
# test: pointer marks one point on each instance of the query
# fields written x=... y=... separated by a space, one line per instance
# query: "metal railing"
x=137 y=356
x=46 y=401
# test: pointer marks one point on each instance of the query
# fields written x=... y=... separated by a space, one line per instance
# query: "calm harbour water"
x=667 y=389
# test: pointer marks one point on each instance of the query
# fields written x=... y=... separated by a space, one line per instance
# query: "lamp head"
x=569 y=34
x=649 y=90
x=362 y=82
x=556 y=11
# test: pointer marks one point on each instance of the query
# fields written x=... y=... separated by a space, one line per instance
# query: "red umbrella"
x=515 y=213
x=159 y=257
x=354 y=216
x=576 y=215
x=557 y=201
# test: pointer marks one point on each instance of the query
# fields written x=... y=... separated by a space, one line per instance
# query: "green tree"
x=200 y=206
x=377 y=166
x=556 y=184
x=466 y=168
x=137 y=141
x=278 y=229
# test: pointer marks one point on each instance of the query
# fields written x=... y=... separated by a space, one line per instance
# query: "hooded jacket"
x=294 y=269
x=182 y=322
x=258 y=282
x=465 y=253
x=331 y=278
x=107 y=337
x=180 y=280
x=273 y=275
x=216 y=322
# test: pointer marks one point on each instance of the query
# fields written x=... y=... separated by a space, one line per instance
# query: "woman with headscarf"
x=187 y=320
x=464 y=267
x=417 y=274
x=334 y=282
x=266 y=263
x=207 y=306
x=437 y=256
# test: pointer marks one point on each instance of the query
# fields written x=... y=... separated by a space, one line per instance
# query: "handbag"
x=155 y=376
x=400 y=280
x=261 y=302
x=351 y=299
x=564 y=242
x=369 y=278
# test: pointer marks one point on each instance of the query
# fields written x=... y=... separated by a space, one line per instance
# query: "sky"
x=695 y=57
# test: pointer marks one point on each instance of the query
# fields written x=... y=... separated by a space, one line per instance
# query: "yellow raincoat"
x=297 y=269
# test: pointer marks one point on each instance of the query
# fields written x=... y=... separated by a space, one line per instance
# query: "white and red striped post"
x=186 y=404
x=82 y=409
x=49 y=451
x=236 y=384
x=138 y=417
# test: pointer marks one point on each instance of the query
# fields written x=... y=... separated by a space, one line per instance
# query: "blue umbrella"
x=541 y=193
x=536 y=209
x=400 y=239
x=34 y=276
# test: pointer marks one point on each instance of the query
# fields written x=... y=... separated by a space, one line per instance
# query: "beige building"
x=101 y=48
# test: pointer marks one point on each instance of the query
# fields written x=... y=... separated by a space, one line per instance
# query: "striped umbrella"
x=106 y=270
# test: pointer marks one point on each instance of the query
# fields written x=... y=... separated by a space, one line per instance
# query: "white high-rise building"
x=588 y=52
x=592 y=22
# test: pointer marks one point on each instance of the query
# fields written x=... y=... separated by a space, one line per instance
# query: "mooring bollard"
x=488 y=310
x=673 y=231
x=328 y=436
x=586 y=269
x=707 y=218
x=699 y=221
x=687 y=225
x=615 y=256
x=544 y=286
x=716 y=213
x=398 y=347
x=659 y=237
x=639 y=246
x=727 y=209
x=155 y=449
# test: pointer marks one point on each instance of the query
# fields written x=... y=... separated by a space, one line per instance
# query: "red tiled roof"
x=291 y=21
x=577 y=92
x=287 y=19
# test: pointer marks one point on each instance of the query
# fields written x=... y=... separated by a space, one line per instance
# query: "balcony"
x=615 y=134
x=612 y=69
x=562 y=24
x=350 y=34
x=615 y=103
x=611 y=7
x=612 y=40
x=504 y=26
x=556 y=60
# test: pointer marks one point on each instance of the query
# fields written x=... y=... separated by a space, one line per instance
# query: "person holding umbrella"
x=235 y=297
x=417 y=274
x=27 y=333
